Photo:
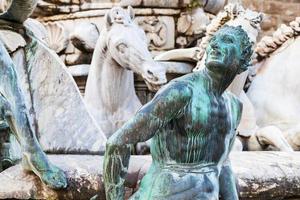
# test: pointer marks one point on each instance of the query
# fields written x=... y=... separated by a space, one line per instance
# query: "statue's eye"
x=122 y=47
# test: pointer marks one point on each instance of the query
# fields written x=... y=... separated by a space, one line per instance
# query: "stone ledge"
x=102 y=12
x=172 y=68
x=261 y=175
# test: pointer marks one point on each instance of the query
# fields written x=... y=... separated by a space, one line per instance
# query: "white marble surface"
x=260 y=175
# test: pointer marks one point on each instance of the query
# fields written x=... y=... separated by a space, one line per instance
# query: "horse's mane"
x=270 y=44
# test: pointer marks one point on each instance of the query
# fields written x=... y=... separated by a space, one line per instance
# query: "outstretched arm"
x=166 y=105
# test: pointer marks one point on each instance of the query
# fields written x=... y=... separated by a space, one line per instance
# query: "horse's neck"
x=117 y=85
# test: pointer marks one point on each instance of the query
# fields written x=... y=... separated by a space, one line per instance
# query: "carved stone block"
x=57 y=39
x=160 y=31
x=151 y=3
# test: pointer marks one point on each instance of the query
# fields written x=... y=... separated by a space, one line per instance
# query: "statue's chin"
x=215 y=65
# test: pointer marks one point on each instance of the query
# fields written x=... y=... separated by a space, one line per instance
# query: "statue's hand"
x=54 y=178
x=115 y=168
x=49 y=174
x=114 y=184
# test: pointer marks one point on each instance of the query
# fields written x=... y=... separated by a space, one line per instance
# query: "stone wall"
x=276 y=12
x=168 y=24
x=158 y=23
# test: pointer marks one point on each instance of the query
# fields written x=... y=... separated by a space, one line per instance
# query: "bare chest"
x=208 y=115
x=201 y=134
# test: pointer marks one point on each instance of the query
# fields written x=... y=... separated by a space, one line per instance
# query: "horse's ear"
x=108 y=20
x=130 y=12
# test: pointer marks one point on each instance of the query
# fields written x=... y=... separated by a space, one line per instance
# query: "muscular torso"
x=189 y=150
x=202 y=131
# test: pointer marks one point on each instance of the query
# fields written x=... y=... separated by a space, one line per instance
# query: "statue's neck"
x=218 y=82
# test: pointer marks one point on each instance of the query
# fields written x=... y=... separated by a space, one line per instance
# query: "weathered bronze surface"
x=192 y=123
x=14 y=115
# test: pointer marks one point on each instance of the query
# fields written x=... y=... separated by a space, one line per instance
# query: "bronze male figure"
x=192 y=122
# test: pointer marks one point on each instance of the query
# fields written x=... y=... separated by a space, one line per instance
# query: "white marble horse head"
x=127 y=45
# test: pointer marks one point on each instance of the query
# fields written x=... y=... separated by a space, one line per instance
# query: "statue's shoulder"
x=187 y=80
x=180 y=87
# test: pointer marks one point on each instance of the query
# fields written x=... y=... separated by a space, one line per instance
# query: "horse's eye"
x=122 y=47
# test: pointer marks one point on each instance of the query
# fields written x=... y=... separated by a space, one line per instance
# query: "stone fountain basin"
x=260 y=175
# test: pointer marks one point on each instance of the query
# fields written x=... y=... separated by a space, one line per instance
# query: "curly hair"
x=246 y=44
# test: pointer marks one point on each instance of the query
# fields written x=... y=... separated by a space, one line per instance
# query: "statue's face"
x=223 y=53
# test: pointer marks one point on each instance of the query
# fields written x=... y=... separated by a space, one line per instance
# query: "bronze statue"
x=192 y=123
x=14 y=114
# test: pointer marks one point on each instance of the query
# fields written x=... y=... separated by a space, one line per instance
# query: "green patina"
x=15 y=118
x=192 y=122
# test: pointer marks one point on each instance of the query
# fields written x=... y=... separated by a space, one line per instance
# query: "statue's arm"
x=166 y=105
x=228 y=187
